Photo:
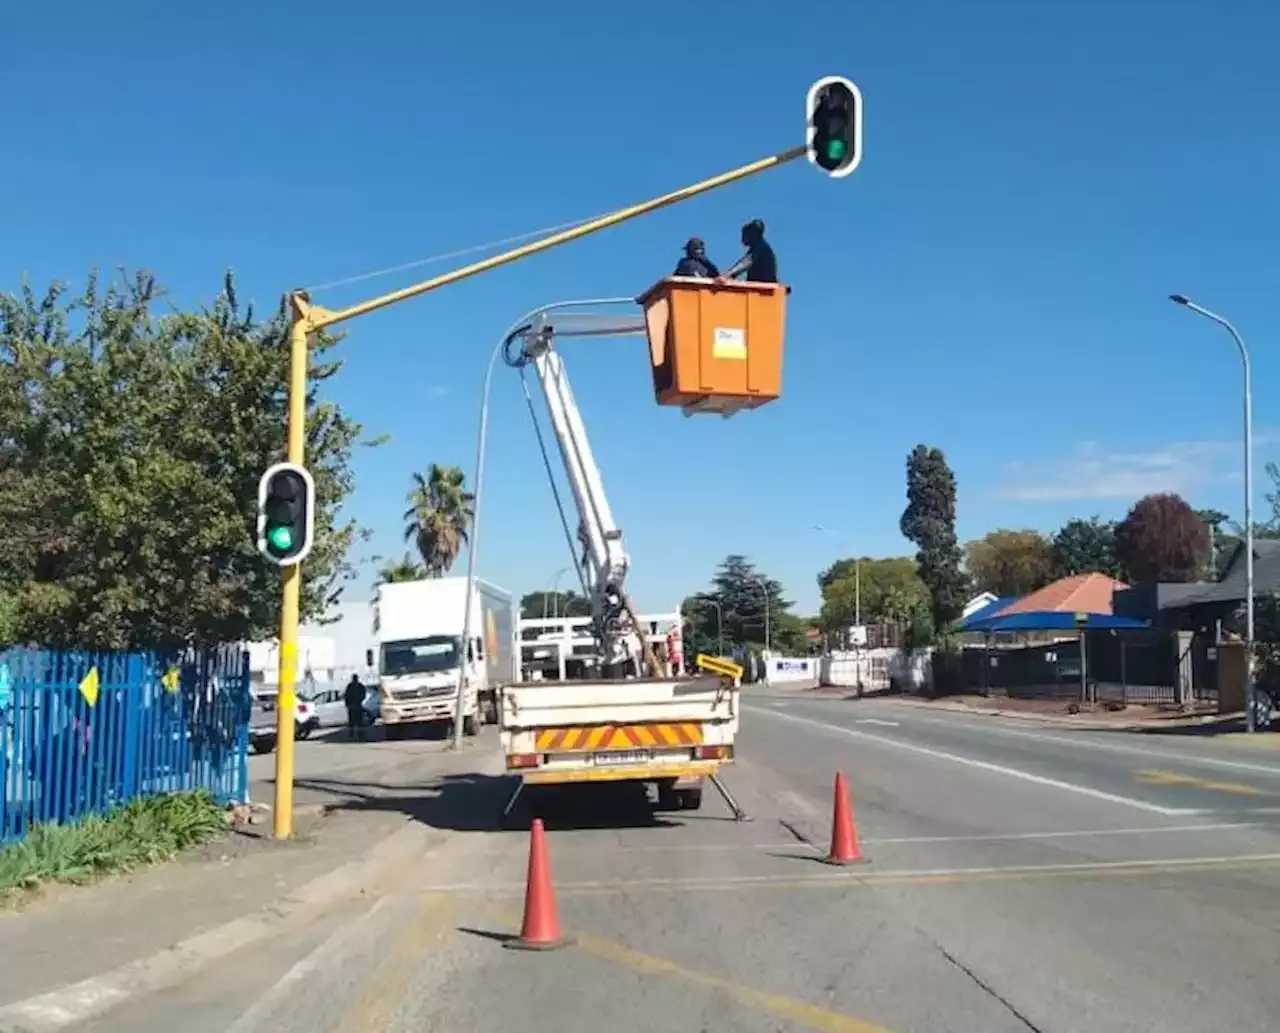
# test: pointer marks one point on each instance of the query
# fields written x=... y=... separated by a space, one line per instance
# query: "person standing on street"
x=353 y=697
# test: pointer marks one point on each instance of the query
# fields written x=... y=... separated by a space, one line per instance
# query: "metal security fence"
x=83 y=732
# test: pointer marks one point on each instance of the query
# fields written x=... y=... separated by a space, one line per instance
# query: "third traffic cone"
x=845 y=848
x=541 y=928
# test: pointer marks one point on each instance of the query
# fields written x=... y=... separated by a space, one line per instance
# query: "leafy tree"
x=536 y=605
x=929 y=521
x=1162 y=539
x=439 y=517
x=131 y=444
x=886 y=588
x=1085 y=547
x=404 y=569
x=738 y=594
x=1010 y=562
x=1221 y=542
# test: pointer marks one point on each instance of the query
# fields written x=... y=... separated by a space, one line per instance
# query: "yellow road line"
x=1085 y=871
x=786 y=1008
x=1153 y=777
x=382 y=995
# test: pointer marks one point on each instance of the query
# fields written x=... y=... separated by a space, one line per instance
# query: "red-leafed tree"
x=1162 y=539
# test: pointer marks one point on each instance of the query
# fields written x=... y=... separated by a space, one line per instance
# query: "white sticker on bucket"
x=729 y=343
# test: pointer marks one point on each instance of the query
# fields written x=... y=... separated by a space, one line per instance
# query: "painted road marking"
x=268 y=1010
x=788 y=1009
x=1114 y=747
x=876 y=721
x=891 y=877
x=1067 y=833
x=1176 y=778
x=983 y=765
x=381 y=995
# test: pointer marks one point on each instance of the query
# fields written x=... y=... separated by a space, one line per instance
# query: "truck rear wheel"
x=690 y=799
x=471 y=725
x=668 y=797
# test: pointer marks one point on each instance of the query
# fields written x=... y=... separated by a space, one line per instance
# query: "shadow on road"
x=475 y=802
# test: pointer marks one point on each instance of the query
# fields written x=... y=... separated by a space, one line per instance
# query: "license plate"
x=623 y=757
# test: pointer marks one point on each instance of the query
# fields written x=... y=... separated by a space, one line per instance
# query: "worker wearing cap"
x=695 y=261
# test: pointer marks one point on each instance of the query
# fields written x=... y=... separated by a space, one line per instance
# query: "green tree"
x=1006 y=562
x=1162 y=539
x=882 y=586
x=439 y=517
x=929 y=521
x=566 y=603
x=738 y=594
x=404 y=569
x=1085 y=547
x=131 y=444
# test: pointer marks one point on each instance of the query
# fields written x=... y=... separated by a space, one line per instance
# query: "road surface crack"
x=982 y=984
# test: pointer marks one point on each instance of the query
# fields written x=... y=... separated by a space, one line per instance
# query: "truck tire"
x=690 y=799
x=668 y=798
x=471 y=725
x=490 y=712
x=395 y=732
x=264 y=745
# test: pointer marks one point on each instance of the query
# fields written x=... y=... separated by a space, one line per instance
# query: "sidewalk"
x=200 y=907
x=1135 y=717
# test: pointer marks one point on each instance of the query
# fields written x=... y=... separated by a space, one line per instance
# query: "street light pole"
x=765 y=589
x=719 y=626
x=1185 y=302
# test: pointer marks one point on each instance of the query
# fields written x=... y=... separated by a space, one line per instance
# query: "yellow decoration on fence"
x=170 y=681
x=89 y=687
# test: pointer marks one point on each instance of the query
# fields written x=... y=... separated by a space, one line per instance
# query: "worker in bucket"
x=759 y=264
x=695 y=261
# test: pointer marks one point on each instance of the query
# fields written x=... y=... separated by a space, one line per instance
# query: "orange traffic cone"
x=845 y=848
x=541 y=927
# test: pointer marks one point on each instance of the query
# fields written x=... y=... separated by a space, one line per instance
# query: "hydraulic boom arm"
x=604 y=561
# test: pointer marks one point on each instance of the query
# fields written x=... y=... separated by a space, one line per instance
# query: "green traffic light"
x=835 y=149
x=280 y=538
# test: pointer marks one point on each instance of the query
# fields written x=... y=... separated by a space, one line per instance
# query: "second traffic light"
x=833 y=115
x=286 y=509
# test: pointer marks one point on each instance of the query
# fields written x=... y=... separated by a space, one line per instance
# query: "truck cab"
x=418 y=682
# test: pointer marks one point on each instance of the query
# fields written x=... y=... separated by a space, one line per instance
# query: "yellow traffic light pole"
x=307 y=318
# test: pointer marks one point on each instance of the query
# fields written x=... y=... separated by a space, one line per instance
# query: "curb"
x=1066 y=721
x=78 y=1002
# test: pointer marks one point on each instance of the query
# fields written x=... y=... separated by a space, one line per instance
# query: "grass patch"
x=144 y=832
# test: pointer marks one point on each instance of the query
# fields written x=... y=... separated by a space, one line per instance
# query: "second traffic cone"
x=541 y=927
x=845 y=848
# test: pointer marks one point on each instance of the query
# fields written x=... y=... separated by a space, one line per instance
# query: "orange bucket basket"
x=715 y=348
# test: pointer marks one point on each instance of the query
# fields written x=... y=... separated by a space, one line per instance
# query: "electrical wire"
x=446 y=255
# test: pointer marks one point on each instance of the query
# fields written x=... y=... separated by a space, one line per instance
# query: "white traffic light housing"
x=833 y=120
x=286 y=514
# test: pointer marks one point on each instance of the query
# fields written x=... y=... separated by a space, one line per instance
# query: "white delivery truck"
x=671 y=733
x=419 y=629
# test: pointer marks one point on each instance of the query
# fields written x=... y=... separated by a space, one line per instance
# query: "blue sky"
x=992 y=280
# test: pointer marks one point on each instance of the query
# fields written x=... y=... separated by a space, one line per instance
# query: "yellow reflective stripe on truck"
x=618 y=737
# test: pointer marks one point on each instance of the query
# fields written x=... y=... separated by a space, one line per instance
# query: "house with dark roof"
x=1199 y=605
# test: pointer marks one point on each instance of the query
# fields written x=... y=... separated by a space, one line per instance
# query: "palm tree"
x=404 y=569
x=439 y=516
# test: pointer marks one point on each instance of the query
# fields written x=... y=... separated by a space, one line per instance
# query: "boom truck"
x=631 y=723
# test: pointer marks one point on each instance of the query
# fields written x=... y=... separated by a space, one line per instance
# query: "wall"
x=795 y=671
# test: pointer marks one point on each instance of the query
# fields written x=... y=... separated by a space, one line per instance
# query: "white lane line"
x=876 y=721
x=1066 y=834
x=285 y=993
x=987 y=725
x=872 y=876
x=982 y=765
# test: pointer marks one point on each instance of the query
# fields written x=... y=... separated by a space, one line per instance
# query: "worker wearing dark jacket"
x=695 y=261
x=759 y=264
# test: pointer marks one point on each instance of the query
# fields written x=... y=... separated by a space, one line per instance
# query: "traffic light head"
x=833 y=113
x=286 y=507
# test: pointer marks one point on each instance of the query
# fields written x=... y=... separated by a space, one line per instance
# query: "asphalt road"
x=1019 y=878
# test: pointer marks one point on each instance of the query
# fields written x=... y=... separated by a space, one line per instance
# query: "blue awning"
x=1050 y=620
x=988 y=611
